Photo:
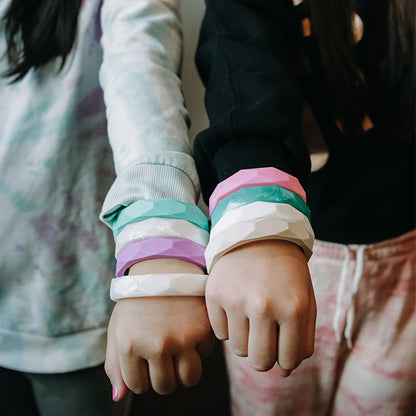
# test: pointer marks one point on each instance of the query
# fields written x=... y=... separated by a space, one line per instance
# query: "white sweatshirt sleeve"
x=147 y=119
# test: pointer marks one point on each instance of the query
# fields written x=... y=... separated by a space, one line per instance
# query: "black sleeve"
x=246 y=58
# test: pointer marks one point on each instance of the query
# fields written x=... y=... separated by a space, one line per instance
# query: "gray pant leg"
x=16 y=394
x=82 y=393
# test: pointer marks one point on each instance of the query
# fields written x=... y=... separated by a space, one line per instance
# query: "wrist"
x=164 y=265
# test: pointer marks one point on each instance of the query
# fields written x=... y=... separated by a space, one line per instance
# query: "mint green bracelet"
x=161 y=208
x=270 y=193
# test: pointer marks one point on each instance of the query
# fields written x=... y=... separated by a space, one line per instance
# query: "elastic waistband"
x=403 y=244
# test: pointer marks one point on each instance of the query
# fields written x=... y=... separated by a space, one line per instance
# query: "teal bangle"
x=270 y=193
x=161 y=208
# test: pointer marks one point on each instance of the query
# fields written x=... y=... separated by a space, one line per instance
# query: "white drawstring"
x=355 y=283
x=341 y=289
x=340 y=295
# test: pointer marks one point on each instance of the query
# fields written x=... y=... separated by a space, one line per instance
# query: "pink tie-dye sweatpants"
x=365 y=350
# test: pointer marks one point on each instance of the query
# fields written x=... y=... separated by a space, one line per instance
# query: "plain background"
x=192 y=13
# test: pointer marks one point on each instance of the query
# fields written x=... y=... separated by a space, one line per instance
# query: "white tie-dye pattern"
x=142 y=45
x=56 y=167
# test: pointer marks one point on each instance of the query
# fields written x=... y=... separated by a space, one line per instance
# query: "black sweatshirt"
x=247 y=58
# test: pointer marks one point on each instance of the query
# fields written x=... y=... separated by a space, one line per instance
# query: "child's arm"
x=150 y=337
x=157 y=341
x=259 y=295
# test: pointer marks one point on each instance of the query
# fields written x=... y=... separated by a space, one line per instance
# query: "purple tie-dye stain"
x=48 y=228
x=92 y=104
x=98 y=131
x=70 y=200
x=74 y=83
x=41 y=271
x=97 y=25
x=19 y=248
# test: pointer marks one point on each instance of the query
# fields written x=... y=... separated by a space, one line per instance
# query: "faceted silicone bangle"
x=255 y=210
x=160 y=227
x=284 y=222
x=175 y=284
x=254 y=177
x=160 y=247
x=247 y=195
x=161 y=208
x=262 y=229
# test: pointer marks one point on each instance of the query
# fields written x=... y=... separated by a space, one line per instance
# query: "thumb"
x=112 y=365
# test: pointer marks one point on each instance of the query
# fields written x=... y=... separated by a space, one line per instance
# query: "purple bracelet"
x=160 y=247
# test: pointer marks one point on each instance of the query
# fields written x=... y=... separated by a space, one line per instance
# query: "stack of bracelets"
x=162 y=228
x=258 y=204
x=251 y=205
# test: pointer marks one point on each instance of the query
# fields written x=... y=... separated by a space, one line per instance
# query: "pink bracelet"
x=254 y=177
x=160 y=247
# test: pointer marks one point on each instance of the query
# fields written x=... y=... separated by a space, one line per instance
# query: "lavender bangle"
x=160 y=247
x=160 y=227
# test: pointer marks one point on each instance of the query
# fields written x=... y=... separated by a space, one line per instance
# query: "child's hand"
x=157 y=341
x=260 y=297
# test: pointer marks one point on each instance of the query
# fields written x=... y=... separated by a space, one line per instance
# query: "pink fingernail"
x=115 y=393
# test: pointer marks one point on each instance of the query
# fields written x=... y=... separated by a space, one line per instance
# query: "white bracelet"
x=255 y=210
x=173 y=284
x=259 y=221
x=161 y=227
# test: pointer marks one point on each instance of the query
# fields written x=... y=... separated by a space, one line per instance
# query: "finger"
x=238 y=329
x=290 y=345
x=218 y=320
x=135 y=373
x=162 y=374
x=310 y=329
x=112 y=366
x=262 y=343
x=216 y=314
x=188 y=368
x=282 y=372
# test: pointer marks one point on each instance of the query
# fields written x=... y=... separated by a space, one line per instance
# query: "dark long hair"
x=334 y=34
x=38 y=31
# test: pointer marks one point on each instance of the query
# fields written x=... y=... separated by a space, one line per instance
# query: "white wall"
x=192 y=12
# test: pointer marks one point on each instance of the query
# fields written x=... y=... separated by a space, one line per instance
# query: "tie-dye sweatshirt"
x=109 y=129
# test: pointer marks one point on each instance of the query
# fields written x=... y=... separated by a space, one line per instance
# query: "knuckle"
x=263 y=307
x=161 y=345
x=126 y=347
x=296 y=307
x=186 y=340
x=213 y=294
x=236 y=303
